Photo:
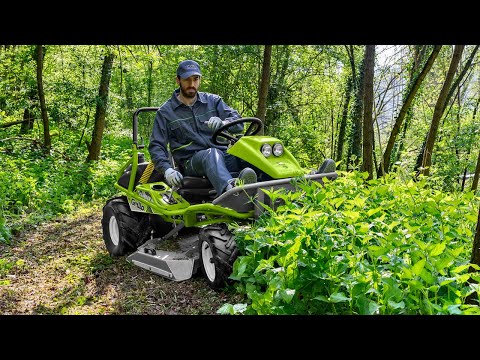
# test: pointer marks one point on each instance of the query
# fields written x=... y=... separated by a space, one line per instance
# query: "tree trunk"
x=149 y=83
x=343 y=123
x=264 y=84
x=47 y=141
x=477 y=168
x=27 y=123
x=438 y=111
x=367 y=164
x=276 y=89
x=477 y=174
x=414 y=86
x=356 y=137
x=101 y=109
x=460 y=77
x=128 y=91
x=473 y=298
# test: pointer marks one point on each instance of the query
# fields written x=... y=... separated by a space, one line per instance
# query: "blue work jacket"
x=184 y=129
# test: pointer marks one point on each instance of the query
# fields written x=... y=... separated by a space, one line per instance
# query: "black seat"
x=195 y=182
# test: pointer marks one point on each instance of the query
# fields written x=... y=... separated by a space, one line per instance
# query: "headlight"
x=277 y=149
x=266 y=150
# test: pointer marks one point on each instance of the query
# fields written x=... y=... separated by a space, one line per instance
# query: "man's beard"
x=190 y=93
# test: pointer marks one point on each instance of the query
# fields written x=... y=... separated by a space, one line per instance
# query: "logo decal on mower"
x=135 y=205
x=145 y=196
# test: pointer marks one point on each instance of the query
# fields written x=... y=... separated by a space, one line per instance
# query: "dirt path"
x=62 y=267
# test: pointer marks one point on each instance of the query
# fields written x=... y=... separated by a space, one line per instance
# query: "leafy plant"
x=359 y=247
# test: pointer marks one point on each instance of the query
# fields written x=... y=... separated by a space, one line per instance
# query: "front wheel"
x=218 y=251
x=123 y=230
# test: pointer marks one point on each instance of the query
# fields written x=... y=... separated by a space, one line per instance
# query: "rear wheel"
x=123 y=229
x=218 y=251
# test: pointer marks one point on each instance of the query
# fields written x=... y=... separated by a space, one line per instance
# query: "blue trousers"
x=216 y=165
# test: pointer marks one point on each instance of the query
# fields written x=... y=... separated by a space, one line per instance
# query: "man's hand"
x=173 y=177
x=215 y=123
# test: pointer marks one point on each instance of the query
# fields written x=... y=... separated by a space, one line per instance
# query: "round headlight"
x=277 y=149
x=266 y=150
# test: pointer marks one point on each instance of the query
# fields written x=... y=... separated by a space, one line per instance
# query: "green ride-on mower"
x=174 y=232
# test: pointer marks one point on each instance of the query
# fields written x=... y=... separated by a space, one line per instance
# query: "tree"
x=477 y=174
x=438 y=111
x=356 y=134
x=47 y=141
x=414 y=86
x=101 y=108
x=277 y=87
x=460 y=77
x=264 y=83
x=348 y=94
x=475 y=259
x=367 y=164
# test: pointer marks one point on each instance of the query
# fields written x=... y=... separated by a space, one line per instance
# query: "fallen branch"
x=13 y=123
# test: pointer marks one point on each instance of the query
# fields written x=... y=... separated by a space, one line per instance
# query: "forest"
x=398 y=232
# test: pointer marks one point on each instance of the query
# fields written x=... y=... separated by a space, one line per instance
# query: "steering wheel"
x=256 y=125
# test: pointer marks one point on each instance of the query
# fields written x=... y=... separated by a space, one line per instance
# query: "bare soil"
x=63 y=267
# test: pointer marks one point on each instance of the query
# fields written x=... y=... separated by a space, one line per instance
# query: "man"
x=185 y=123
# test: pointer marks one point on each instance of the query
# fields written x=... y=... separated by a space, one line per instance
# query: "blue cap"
x=188 y=68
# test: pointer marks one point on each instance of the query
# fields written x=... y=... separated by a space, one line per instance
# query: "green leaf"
x=471 y=217
x=321 y=298
x=338 y=297
x=454 y=309
x=396 y=305
x=393 y=224
x=373 y=211
x=351 y=215
x=239 y=308
x=456 y=251
x=263 y=264
x=226 y=309
x=442 y=263
x=427 y=276
x=418 y=267
x=376 y=250
x=460 y=268
x=437 y=249
x=320 y=196
x=286 y=294
x=363 y=228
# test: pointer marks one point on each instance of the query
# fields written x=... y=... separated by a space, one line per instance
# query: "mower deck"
x=178 y=263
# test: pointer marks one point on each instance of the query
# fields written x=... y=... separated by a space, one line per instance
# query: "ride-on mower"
x=174 y=232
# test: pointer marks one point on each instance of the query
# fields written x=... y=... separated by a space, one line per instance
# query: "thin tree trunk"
x=356 y=137
x=47 y=141
x=264 y=84
x=475 y=259
x=438 y=111
x=367 y=163
x=415 y=85
x=477 y=168
x=276 y=88
x=477 y=174
x=460 y=77
x=149 y=83
x=343 y=123
x=27 y=123
x=101 y=109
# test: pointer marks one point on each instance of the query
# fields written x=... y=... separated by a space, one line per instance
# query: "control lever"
x=171 y=199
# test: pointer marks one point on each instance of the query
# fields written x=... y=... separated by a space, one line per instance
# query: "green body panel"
x=156 y=198
x=151 y=201
x=278 y=167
